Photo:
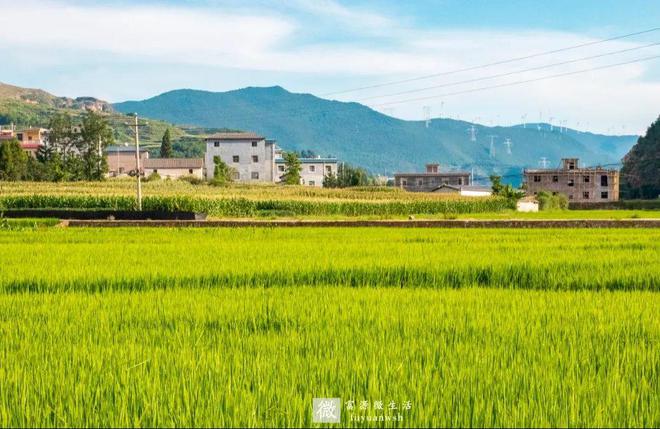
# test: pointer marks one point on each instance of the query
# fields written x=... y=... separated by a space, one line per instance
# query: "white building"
x=527 y=205
x=173 y=168
x=252 y=156
x=312 y=171
x=257 y=159
x=465 y=190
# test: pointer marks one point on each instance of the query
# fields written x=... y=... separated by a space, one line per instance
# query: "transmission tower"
x=492 y=145
x=427 y=116
x=508 y=144
x=472 y=131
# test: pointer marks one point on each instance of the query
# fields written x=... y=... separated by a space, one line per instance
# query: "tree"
x=506 y=191
x=61 y=138
x=222 y=173
x=640 y=175
x=348 y=176
x=95 y=136
x=166 y=145
x=293 y=168
x=13 y=161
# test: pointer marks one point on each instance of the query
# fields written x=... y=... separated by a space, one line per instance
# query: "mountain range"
x=350 y=131
x=383 y=144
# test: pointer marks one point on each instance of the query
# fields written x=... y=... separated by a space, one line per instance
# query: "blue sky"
x=119 y=50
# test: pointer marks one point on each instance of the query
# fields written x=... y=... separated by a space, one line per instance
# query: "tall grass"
x=257 y=357
x=146 y=259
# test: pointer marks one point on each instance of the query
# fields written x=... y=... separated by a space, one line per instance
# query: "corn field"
x=244 y=327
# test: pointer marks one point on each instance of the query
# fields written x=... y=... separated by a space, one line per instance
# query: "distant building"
x=578 y=184
x=7 y=133
x=173 y=168
x=465 y=190
x=527 y=205
x=32 y=139
x=121 y=160
x=431 y=180
x=312 y=171
x=257 y=159
x=251 y=155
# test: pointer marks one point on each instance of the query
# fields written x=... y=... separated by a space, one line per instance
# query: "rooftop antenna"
x=550 y=122
x=544 y=162
x=473 y=133
x=427 y=116
x=507 y=143
x=442 y=106
x=524 y=120
x=492 y=145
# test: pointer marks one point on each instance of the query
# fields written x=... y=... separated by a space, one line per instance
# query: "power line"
x=511 y=60
x=483 y=88
x=411 y=91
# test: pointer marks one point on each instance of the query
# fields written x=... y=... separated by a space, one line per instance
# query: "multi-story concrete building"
x=430 y=180
x=32 y=139
x=591 y=185
x=312 y=171
x=252 y=156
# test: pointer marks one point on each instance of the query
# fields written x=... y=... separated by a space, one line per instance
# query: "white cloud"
x=380 y=49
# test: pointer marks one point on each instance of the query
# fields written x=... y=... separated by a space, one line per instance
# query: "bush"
x=193 y=180
x=153 y=177
x=552 y=201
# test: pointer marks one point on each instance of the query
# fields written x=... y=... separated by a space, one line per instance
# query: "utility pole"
x=137 y=164
x=136 y=127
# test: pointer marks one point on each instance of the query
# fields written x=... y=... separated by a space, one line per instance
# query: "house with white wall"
x=174 y=168
x=312 y=170
x=249 y=154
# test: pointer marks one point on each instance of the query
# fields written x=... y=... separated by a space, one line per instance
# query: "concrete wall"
x=246 y=167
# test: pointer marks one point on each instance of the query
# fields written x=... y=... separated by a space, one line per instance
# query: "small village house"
x=174 y=168
x=312 y=170
x=31 y=139
x=465 y=190
x=527 y=204
x=431 y=180
x=121 y=160
x=579 y=184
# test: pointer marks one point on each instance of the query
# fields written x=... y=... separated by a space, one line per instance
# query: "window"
x=190 y=170
x=585 y=195
x=328 y=169
x=235 y=158
x=155 y=171
x=571 y=165
x=280 y=168
x=420 y=182
x=571 y=182
x=312 y=183
x=587 y=179
x=555 y=179
x=255 y=158
x=255 y=175
x=603 y=180
x=570 y=197
x=254 y=144
x=404 y=182
x=460 y=180
x=604 y=195
x=537 y=179
x=216 y=144
x=121 y=170
x=312 y=168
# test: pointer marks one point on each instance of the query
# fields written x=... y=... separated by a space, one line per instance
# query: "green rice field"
x=244 y=327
